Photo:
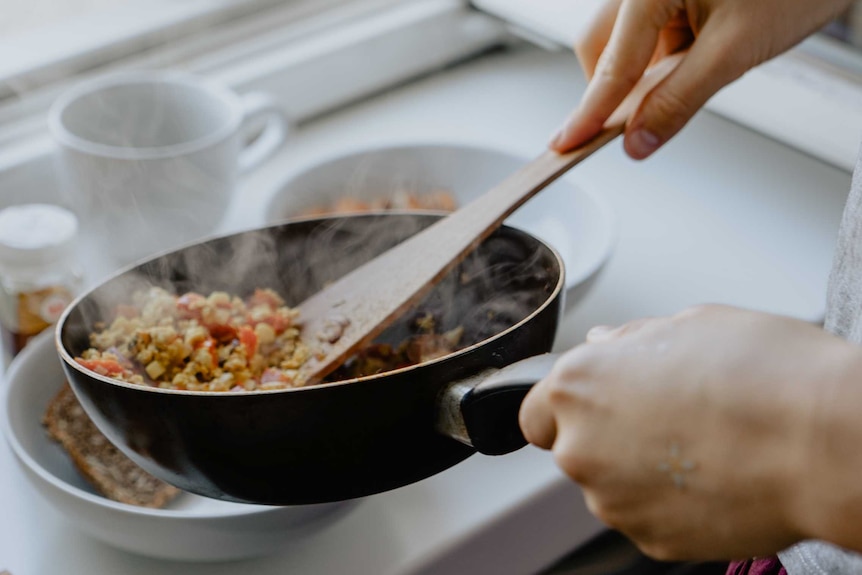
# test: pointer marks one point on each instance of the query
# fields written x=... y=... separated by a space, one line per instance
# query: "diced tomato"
x=190 y=304
x=278 y=323
x=248 y=339
x=107 y=367
x=265 y=297
x=221 y=332
x=209 y=344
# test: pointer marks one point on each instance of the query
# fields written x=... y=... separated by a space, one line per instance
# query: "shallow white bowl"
x=192 y=528
x=577 y=223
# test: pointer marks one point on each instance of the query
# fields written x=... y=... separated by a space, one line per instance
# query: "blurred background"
x=20 y=17
x=848 y=28
x=725 y=213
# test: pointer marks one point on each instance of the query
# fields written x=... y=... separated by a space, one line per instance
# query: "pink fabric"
x=762 y=566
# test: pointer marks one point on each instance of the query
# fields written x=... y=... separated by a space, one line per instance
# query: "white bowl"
x=192 y=528
x=578 y=224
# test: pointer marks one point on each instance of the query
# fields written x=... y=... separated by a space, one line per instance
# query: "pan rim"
x=69 y=361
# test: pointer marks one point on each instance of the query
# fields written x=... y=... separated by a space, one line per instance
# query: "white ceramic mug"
x=150 y=159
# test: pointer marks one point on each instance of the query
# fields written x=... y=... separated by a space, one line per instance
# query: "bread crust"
x=106 y=468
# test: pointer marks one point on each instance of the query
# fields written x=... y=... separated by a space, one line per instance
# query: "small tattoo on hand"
x=677 y=466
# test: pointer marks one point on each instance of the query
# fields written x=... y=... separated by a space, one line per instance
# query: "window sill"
x=809 y=98
x=35 y=58
x=311 y=65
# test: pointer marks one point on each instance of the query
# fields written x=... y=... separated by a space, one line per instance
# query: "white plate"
x=577 y=223
x=192 y=528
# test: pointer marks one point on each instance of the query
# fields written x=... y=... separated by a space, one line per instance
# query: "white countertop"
x=722 y=215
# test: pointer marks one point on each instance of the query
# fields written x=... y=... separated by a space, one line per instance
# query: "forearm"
x=830 y=478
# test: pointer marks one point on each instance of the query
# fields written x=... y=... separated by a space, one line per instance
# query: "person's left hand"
x=691 y=434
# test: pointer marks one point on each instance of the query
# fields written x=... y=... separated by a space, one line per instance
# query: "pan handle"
x=482 y=411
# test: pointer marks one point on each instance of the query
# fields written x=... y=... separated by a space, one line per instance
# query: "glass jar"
x=39 y=271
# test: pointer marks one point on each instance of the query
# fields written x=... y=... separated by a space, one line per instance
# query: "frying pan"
x=341 y=440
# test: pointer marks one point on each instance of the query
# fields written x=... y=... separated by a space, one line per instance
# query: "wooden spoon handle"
x=490 y=209
x=353 y=310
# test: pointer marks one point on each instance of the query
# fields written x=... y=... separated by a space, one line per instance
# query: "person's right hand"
x=717 y=433
x=725 y=39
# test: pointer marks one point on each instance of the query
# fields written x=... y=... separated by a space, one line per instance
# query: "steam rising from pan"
x=323 y=442
x=493 y=289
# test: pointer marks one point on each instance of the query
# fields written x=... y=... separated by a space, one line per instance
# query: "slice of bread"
x=112 y=473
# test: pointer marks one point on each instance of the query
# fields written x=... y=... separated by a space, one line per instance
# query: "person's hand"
x=696 y=435
x=724 y=38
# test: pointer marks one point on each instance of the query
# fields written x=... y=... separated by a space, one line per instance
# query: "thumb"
x=668 y=107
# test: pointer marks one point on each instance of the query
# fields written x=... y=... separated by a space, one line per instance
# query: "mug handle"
x=258 y=105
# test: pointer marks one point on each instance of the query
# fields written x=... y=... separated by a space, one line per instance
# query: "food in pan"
x=424 y=344
x=109 y=471
x=223 y=343
x=436 y=200
x=200 y=343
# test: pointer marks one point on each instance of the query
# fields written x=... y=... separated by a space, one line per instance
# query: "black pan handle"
x=482 y=411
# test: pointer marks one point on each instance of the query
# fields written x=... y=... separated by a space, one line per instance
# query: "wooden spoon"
x=352 y=311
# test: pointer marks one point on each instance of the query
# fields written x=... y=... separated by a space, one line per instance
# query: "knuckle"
x=597 y=508
x=599 y=332
x=576 y=458
x=665 y=12
x=635 y=326
x=588 y=52
x=589 y=45
x=612 y=71
x=575 y=465
x=726 y=59
x=642 y=325
x=559 y=392
x=696 y=310
x=614 y=516
x=575 y=365
x=572 y=383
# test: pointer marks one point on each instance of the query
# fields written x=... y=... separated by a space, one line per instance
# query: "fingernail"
x=599 y=332
x=642 y=143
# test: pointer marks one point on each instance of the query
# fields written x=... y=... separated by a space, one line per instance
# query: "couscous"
x=193 y=342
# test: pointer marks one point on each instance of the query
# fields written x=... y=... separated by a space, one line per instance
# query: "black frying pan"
x=340 y=440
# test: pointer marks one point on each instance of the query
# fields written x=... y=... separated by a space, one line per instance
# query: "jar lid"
x=36 y=234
